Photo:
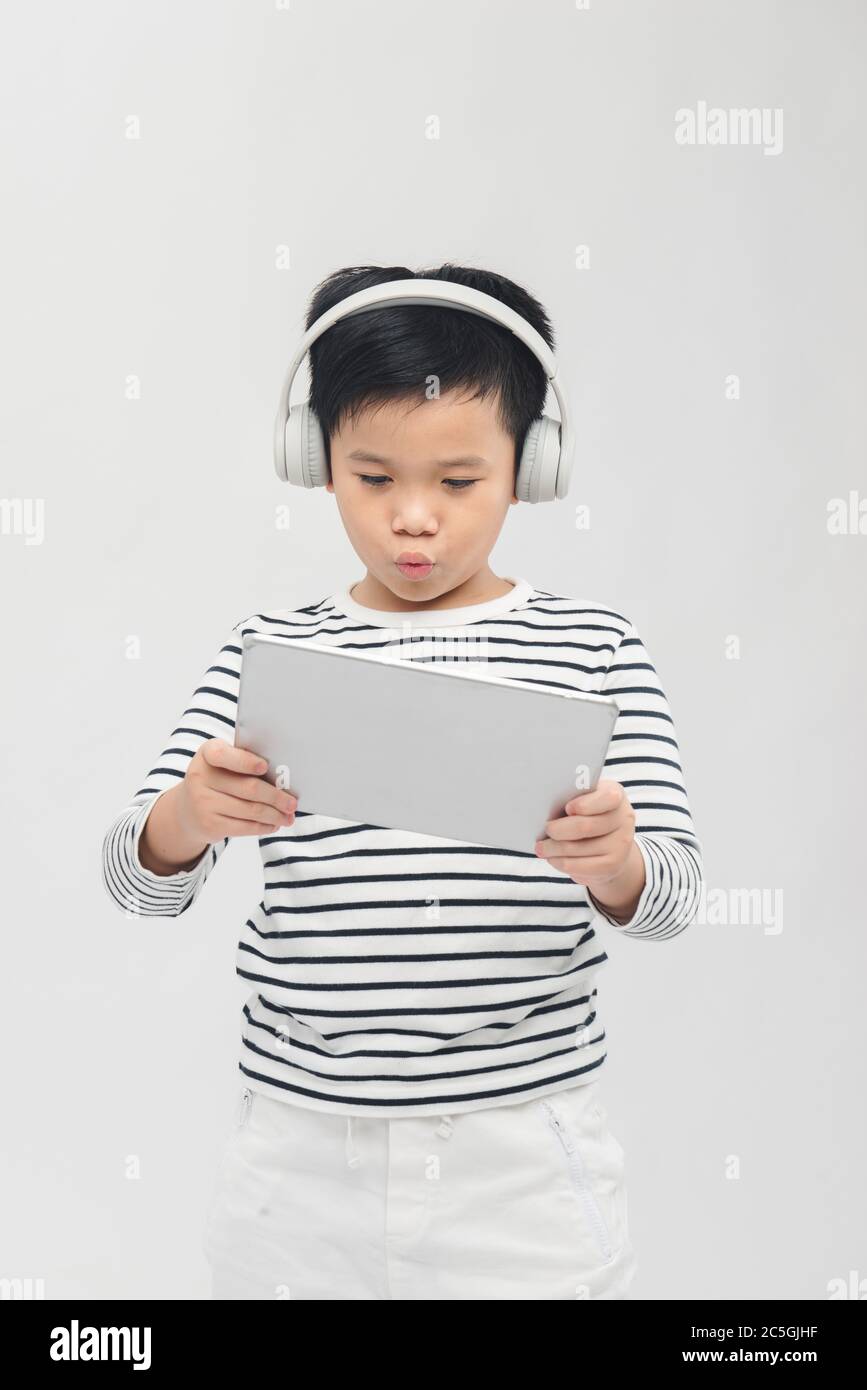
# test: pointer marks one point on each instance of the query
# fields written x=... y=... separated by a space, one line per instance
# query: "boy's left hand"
x=593 y=841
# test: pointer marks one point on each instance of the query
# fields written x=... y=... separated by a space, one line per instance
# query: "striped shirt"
x=364 y=1001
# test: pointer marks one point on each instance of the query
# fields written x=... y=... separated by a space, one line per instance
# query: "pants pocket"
x=235 y=1165
x=593 y=1160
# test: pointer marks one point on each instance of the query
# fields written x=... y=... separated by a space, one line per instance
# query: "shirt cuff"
x=145 y=892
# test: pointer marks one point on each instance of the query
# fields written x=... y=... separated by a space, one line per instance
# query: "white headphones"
x=546 y=458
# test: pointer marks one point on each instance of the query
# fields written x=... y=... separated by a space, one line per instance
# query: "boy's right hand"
x=223 y=794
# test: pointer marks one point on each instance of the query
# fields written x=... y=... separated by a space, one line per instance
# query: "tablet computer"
x=433 y=747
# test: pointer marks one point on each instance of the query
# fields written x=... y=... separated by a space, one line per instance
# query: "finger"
x=582 y=870
x=250 y=789
x=232 y=829
x=238 y=809
x=218 y=753
x=605 y=796
x=576 y=849
x=586 y=827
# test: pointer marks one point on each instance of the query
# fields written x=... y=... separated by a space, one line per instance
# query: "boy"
x=420 y=1115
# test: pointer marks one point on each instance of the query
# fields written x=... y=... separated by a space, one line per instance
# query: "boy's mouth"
x=414 y=564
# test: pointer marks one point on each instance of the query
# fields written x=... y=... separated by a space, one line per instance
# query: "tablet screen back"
x=427 y=747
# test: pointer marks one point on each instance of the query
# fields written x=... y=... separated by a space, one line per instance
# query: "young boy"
x=420 y=1114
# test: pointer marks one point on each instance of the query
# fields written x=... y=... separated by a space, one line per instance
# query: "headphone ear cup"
x=306 y=463
x=540 y=463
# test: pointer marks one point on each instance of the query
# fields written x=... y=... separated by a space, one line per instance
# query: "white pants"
x=515 y=1201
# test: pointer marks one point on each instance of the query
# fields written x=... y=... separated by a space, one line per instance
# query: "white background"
x=160 y=257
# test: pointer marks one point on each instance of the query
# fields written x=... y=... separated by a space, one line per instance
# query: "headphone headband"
x=445 y=294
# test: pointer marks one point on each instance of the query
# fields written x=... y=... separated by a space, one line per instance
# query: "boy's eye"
x=376 y=480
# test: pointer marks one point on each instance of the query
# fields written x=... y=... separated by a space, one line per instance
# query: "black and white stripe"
x=393 y=973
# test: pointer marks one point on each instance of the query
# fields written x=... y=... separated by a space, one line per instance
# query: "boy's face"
x=396 y=493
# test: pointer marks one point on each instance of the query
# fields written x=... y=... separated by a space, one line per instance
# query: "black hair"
x=388 y=353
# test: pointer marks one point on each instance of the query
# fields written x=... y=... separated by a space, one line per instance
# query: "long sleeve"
x=210 y=713
x=645 y=759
